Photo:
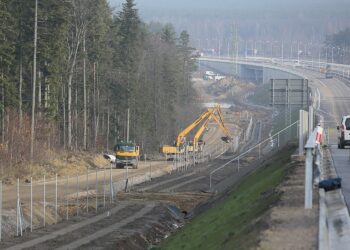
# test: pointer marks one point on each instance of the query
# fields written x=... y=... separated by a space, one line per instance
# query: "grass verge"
x=237 y=221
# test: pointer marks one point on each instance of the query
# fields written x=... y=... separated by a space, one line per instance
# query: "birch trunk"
x=32 y=136
x=84 y=87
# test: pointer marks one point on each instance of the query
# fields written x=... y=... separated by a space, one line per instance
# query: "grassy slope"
x=235 y=223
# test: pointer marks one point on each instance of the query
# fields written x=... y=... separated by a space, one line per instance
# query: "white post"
x=301 y=132
x=56 y=207
x=311 y=120
x=31 y=204
x=308 y=179
x=77 y=194
x=67 y=197
x=87 y=190
x=44 y=219
x=17 y=209
x=96 y=184
x=104 y=187
x=111 y=185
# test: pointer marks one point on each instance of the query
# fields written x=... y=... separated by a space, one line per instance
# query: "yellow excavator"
x=219 y=119
x=205 y=117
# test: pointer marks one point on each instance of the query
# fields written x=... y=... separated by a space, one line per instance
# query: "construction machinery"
x=126 y=154
x=197 y=145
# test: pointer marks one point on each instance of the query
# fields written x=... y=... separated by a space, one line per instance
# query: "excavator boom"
x=188 y=129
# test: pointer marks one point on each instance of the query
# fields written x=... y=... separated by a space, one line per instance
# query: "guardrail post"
x=308 y=178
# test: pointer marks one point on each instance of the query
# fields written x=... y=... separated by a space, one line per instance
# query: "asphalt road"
x=333 y=104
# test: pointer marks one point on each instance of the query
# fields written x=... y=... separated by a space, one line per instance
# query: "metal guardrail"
x=310 y=147
x=239 y=157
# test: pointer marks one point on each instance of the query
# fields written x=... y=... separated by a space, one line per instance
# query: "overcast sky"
x=257 y=19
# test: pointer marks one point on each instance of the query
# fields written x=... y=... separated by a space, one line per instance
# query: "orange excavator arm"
x=218 y=117
x=220 y=121
x=188 y=129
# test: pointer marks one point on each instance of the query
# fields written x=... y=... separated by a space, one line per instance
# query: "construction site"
x=148 y=198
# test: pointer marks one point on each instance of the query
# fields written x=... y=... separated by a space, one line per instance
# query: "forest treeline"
x=92 y=65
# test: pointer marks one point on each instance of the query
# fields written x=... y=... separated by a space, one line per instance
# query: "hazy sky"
x=257 y=19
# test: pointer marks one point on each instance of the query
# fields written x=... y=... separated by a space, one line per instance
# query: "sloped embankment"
x=237 y=221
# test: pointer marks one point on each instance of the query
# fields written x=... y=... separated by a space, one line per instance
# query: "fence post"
x=77 y=194
x=278 y=140
x=259 y=151
x=96 y=183
x=44 y=220
x=150 y=170
x=31 y=204
x=104 y=187
x=238 y=163
x=67 y=197
x=56 y=205
x=111 y=184
x=17 y=208
x=87 y=189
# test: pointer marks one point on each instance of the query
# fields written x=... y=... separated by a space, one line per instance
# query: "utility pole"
x=32 y=136
x=235 y=47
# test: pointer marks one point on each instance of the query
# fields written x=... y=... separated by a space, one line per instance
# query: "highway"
x=334 y=103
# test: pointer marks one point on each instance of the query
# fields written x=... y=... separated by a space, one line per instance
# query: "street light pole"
x=332 y=55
